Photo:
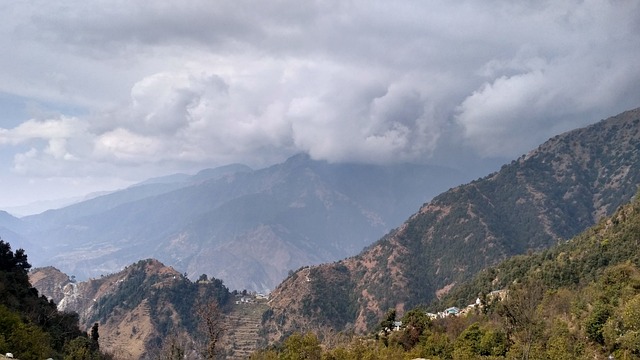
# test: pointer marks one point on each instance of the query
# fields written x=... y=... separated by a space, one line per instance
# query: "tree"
x=299 y=347
x=211 y=327
x=95 y=346
x=596 y=321
x=467 y=345
x=562 y=345
x=78 y=349
x=386 y=325
x=415 y=322
x=30 y=342
x=174 y=348
x=520 y=312
x=10 y=261
x=621 y=332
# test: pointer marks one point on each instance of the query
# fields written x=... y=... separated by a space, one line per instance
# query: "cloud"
x=121 y=145
x=48 y=144
x=167 y=85
x=61 y=128
x=580 y=69
x=373 y=122
x=544 y=96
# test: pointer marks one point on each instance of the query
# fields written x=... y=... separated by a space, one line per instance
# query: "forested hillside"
x=30 y=325
x=577 y=300
x=538 y=200
x=142 y=309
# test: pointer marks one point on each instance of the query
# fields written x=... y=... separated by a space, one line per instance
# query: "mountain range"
x=575 y=300
x=541 y=199
x=248 y=227
x=545 y=197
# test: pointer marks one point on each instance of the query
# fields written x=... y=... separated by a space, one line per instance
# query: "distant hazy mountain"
x=8 y=220
x=247 y=227
x=552 y=193
x=11 y=228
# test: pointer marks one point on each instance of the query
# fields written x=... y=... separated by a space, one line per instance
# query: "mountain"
x=11 y=228
x=101 y=204
x=248 y=227
x=580 y=297
x=552 y=193
x=576 y=263
x=30 y=325
x=576 y=300
x=9 y=221
x=139 y=309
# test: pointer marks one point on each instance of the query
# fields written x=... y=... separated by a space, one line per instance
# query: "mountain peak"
x=221 y=171
x=298 y=159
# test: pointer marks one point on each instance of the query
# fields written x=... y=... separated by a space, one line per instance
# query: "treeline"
x=578 y=300
x=30 y=325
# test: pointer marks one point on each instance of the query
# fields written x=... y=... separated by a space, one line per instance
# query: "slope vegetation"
x=576 y=300
x=30 y=325
x=138 y=309
x=550 y=194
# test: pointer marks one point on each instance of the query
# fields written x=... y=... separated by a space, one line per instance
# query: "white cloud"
x=123 y=145
x=61 y=128
x=166 y=85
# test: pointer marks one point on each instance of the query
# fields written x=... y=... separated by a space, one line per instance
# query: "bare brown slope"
x=552 y=193
x=127 y=330
x=136 y=308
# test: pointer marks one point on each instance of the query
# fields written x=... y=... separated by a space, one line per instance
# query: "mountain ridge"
x=549 y=194
x=249 y=227
x=575 y=300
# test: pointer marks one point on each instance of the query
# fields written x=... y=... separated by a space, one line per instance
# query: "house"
x=397 y=325
x=497 y=295
x=244 y=300
x=452 y=311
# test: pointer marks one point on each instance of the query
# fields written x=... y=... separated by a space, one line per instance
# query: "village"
x=455 y=311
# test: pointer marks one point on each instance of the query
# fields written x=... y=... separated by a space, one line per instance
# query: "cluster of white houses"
x=250 y=298
x=454 y=311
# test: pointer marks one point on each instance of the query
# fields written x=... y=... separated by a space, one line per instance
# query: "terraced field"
x=242 y=327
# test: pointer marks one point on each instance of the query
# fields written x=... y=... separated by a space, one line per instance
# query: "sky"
x=97 y=95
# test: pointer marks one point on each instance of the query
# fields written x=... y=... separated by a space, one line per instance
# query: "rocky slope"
x=550 y=194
